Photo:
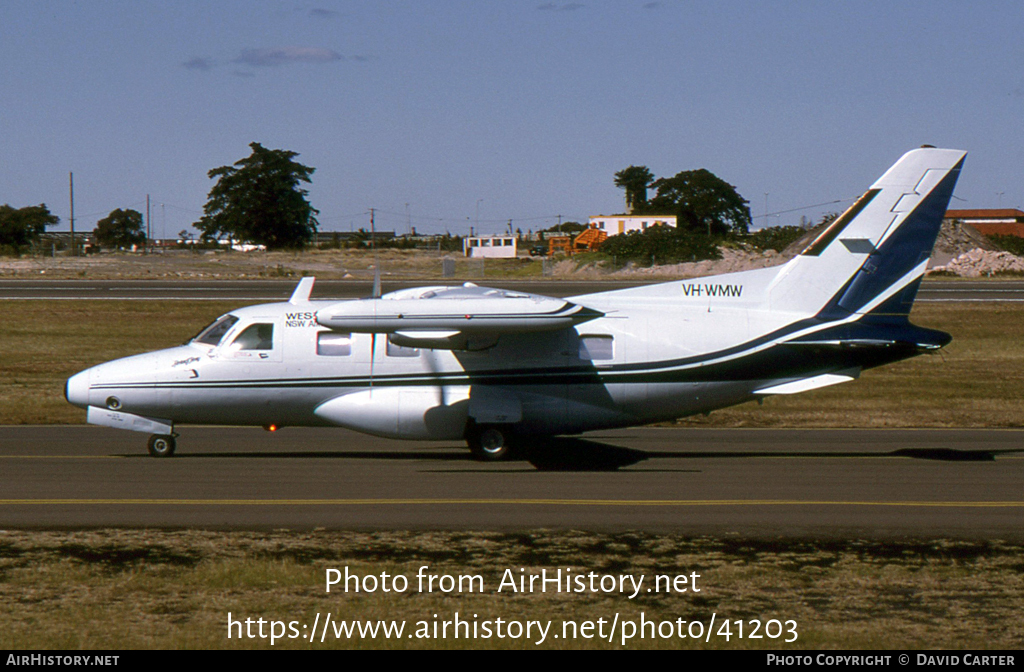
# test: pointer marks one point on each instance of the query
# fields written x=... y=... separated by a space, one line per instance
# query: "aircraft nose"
x=76 y=390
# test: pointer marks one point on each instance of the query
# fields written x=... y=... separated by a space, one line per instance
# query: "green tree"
x=20 y=227
x=660 y=245
x=1009 y=242
x=259 y=200
x=568 y=228
x=702 y=202
x=776 y=238
x=121 y=229
x=448 y=243
x=635 y=180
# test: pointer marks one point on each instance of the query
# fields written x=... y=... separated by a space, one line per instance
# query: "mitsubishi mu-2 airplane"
x=505 y=370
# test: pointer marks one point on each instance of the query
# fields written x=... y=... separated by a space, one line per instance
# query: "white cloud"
x=273 y=56
x=199 y=63
x=555 y=7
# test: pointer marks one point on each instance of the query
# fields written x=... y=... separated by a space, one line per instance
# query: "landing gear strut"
x=161 y=445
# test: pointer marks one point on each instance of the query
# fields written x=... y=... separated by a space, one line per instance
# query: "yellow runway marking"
x=62 y=457
x=502 y=502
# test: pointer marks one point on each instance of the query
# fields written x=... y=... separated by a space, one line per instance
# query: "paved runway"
x=279 y=290
x=821 y=483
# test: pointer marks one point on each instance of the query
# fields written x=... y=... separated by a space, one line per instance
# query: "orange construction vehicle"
x=587 y=241
x=559 y=245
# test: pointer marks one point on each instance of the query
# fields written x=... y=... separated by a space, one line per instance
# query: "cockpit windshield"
x=213 y=334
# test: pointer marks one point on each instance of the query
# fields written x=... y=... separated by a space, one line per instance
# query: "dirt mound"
x=956 y=239
x=978 y=262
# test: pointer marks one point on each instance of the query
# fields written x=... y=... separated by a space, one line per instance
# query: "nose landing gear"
x=161 y=445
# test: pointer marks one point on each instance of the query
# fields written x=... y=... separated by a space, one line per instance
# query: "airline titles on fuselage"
x=305 y=319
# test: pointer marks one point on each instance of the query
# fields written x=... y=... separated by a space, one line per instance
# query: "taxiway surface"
x=758 y=482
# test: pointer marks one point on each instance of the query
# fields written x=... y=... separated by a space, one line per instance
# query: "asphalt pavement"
x=791 y=483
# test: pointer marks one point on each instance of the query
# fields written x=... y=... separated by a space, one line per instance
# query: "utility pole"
x=148 y=236
x=373 y=233
x=71 y=185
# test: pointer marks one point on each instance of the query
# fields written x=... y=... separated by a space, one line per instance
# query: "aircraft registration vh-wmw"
x=503 y=369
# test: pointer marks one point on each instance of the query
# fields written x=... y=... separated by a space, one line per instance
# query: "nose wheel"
x=161 y=445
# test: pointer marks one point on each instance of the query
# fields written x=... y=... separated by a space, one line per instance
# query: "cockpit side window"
x=259 y=336
x=213 y=333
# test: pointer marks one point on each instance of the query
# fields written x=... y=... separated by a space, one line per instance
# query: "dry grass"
x=324 y=264
x=122 y=589
x=977 y=381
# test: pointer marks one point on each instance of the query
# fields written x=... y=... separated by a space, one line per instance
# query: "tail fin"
x=872 y=258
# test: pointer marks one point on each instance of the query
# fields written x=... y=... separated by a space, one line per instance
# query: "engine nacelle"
x=431 y=413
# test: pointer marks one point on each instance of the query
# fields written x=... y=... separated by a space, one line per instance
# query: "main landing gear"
x=490 y=443
x=161 y=445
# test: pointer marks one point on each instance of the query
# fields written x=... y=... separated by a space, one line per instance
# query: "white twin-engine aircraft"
x=503 y=369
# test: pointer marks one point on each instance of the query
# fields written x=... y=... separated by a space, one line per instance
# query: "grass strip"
x=140 y=589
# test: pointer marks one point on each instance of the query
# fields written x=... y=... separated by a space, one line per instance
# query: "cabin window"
x=258 y=336
x=401 y=351
x=213 y=334
x=332 y=344
x=597 y=347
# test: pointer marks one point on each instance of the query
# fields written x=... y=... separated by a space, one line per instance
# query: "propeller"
x=376 y=293
x=373 y=336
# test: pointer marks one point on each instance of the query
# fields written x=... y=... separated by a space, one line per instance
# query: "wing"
x=453 y=318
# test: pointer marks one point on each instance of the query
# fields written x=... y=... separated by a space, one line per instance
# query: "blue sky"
x=440 y=113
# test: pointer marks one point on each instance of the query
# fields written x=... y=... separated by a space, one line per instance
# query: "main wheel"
x=161 y=445
x=490 y=443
